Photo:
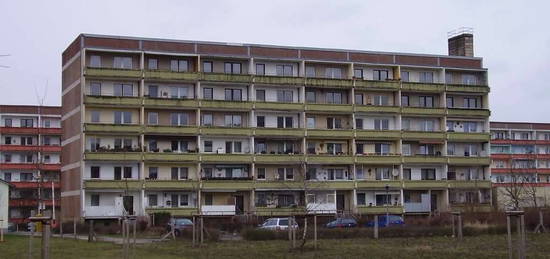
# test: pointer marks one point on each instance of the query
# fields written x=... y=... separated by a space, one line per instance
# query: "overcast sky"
x=511 y=36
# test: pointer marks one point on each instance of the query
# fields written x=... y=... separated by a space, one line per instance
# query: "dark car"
x=342 y=223
x=180 y=225
x=394 y=220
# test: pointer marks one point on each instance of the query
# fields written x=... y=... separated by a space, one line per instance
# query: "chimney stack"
x=461 y=42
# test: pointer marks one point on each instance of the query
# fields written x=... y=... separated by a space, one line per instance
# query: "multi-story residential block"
x=30 y=150
x=520 y=154
x=209 y=128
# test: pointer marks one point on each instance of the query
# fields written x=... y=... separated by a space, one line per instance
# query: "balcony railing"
x=279 y=80
x=417 y=207
x=173 y=211
x=329 y=82
x=423 y=111
x=362 y=209
x=279 y=106
x=468 y=136
x=373 y=84
x=377 y=108
x=112 y=101
x=327 y=107
x=330 y=133
x=279 y=132
x=468 y=88
x=468 y=112
x=170 y=102
x=222 y=104
x=111 y=128
x=103 y=211
x=218 y=210
x=112 y=72
x=422 y=87
x=171 y=75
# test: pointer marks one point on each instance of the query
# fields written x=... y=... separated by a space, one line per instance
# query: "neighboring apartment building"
x=189 y=127
x=30 y=149
x=520 y=153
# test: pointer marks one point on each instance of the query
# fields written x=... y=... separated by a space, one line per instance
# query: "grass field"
x=487 y=246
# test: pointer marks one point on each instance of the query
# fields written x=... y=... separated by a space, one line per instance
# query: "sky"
x=511 y=36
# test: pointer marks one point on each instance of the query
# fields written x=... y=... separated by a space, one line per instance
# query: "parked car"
x=180 y=225
x=11 y=227
x=342 y=223
x=394 y=220
x=276 y=224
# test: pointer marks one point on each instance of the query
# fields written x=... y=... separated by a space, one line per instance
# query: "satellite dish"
x=395 y=173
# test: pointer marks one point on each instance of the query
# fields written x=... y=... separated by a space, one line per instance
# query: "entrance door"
x=128 y=202
x=433 y=202
x=340 y=202
x=239 y=204
x=175 y=200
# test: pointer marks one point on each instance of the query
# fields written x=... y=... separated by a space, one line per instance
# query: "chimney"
x=461 y=42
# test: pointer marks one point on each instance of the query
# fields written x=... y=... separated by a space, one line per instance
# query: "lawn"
x=486 y=246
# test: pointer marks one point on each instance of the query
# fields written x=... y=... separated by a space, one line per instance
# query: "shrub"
x=262 y=234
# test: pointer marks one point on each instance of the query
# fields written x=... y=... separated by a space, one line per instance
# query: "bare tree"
x=531 y=193
x=514 y=192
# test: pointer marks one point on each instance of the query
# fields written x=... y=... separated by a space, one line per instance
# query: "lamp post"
x=387 y=187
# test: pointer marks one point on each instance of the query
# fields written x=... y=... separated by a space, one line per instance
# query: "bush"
x=262 y=234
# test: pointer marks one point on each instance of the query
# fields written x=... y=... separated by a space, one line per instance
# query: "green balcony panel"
x=326 y=82
x=422 y=87
x=174 y=211
x=423 y=111
x=279 y=80
x=329 y=133
x=112 y=101
x=170 y=75
x=226 y=131
x=112 y=72
x=279 y=185
x=485 y=207
x=112 y=128
x=279 y=132
x=472 y=184
x=227 y=185
x=172 y=130
x=378 y=184
x=330 y=185
x=468 y=112
x=330 y=159
x=170 y=103
x=220 y=104
x=378 y=85
x=469 y=160
x=113 y=156
x=273 y=212
x=113 y=184
x=171 y=185
x=322 y=107
x=279 y=159
x=279 y=106
x=169 y=156
x=419 y=135
x=377 y=134
x=379 y=160
x=425 y=159
x=377 y=109
x=424 y=184
x=232 y=78
x=468 y=137
x=227 y=158
x=379 y=209
x=468 y=88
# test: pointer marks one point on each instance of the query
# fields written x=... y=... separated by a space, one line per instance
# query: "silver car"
x=277 y=224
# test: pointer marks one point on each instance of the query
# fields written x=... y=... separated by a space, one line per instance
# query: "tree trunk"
x=304 y=234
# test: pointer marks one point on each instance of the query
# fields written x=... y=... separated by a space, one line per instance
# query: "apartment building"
x=30 y=150
x=520 y=153
x=219 y=129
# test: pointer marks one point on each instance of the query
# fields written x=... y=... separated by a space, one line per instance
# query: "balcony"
x=321 y=208
x=171 y=130
x=377 y=109
x=171 y=157
x=112 y=128
x=170 y=75
x=218 y=210
x=170 y=184
x=112 y=101
x=279 y=132
x=227 y=158
x=279 y=80
x=423 y=111
x=330 y=185
x=422 y=87
x=103 y=211
x=378 y=85
x=468 y=136
x=478 y=207
x=131 y=184
x=424 y=159
x=113 y=156
x=422 y=135
x=20 y=148
x=279 y=159
x=221 y=104
x=226 y=131
x=377 y=134
x=379 y=209
x=469 y=160
x=378 y=184
x=170 y=102
x=174 y=212
x=272 y=212
x=330 y=133
x=30 y=131
x=328 y=107
x=328 y=82
x=279 y=106
x=378 y=159
x=468 y=88
x=468 y=112
x=279 y=185
x=34 y=185
x=471 y=184
x=112 y=73
x=229 y=78
x=424 y=184
x=417 y=207
x=229 y=184
x=329 y=159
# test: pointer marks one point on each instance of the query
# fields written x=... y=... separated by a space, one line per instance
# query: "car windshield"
x=395 y=218
x=270 y=222
x=184 y=222
x=283 y=222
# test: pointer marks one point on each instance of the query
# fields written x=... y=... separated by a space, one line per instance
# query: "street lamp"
x=387 y=187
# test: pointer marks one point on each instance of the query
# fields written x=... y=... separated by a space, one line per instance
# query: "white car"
x=277 y=224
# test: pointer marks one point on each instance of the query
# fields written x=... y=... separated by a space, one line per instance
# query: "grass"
x=485 y=246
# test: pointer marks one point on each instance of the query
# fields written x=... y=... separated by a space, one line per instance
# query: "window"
x=359 y=123
x=470 y=102
x=233 y=121
x=405 y=76
x=427 y=150
x=405 y=100
x=310 y=122
x=406 y=149
x=361 y=198
x=123 y=143
x=208 y=93
x=380 y=75
x=123 y=62
x=427 y=174
x=124 y=90
x=470 y=126
x=427 y=125
x=179 y=92
x=207 y=67
x=233 y=94
x=426 y=77
x=207 y=119
x=118 y=172
x=359 y=148
x=184 y=173
x=153 y=145
x=284 y=96
x=283 y=70
x=179 y=146
x=381 y=148
x=260 y=121
x=450 y=149
x=381 y=100
x=94 y=172
x=260 y=95
x=334 y=123
x=336 y=174
x=359 y=99
x=207 y=146
x=334 y=148
x=426 y=101
x=179 y=65
x=7 y=158
x=232 y=68
x=260 y=69
x=123 y=117
x=334 y=97
x=152 y=118
x=360 y=174
x=208 y=199
x=95 y=61
x=184 y=200
x=127 y=172
x=174 y=173
x=152 y=64
x=47 y=123
x=469 y=79
x=7 y=177
x=381 y=124
x=260 y=173
x=7 y=122
x=310 y=97
x=153 y=200
x=153 y=172
x=289 y=174
x=95 y=116
x=26 y=123
x=95 y=89
x=26 y=141
x=179 y=119
x=450 y=102
x=95 y=144
x=406 y=124
x=358 y=73
x=26 y=177
x=153 y=91
x=448 y=78
x=284 y=122
x=406 y=174
x=94 y=200
x=383 y=173
x=47 y=141
x=310 y=71
x=7 y=140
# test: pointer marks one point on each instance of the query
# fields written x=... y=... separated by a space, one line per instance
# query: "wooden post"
x=375 y=226
x=61 y=227
x=134 y=243
x=289 y=233
x=30 y=242
x=194 y=231
x=46 y=240
x=91 y=230
x=74 y=228
x=453 y=224
x=1 y=235
x=293 y=233
x=202 y=230
x=460 y=226
x=315 y=231
x=509 y=236
x=522 y=234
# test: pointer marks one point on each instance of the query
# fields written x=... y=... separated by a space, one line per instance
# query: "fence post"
x=202 y=230
x=376 y=226
x=74 y=228
x=61 y=227
x=315 y=231
x=46 y=240
x=509 y=236
x=453 y=224
x=194 y=230
x=459 y=226
x=91 y=230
